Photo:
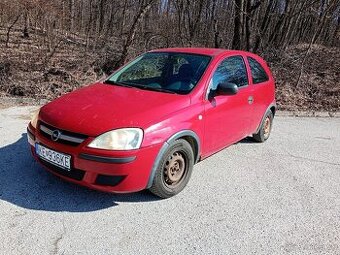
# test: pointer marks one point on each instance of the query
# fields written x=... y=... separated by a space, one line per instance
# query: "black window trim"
x=251 y=75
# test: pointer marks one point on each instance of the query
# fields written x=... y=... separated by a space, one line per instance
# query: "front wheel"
x=174 y=170
x=265 y=128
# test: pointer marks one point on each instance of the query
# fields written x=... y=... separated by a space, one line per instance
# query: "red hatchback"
x=147 y=124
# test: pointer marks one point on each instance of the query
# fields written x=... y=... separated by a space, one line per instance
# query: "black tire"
x=264 y=131
x=178 y=155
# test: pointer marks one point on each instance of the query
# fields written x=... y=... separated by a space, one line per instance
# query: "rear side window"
x=232 y=70
x=257 y=71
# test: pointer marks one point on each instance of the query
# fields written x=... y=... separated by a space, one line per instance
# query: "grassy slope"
x=319 y=86
x=26 y=69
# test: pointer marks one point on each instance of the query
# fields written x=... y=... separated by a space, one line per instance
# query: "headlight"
x=119 y=139
x=34 y=118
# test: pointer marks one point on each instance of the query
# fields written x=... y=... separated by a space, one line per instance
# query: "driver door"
x=227 y=117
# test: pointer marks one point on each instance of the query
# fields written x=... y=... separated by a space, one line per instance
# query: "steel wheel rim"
x=266 y=127
x=174 y=169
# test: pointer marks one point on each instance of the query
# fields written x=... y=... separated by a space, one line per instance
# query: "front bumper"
x=109 y=171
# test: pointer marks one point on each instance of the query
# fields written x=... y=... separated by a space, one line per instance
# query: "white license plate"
x=53 y=157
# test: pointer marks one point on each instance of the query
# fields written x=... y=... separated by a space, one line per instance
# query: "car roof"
x=202 y=51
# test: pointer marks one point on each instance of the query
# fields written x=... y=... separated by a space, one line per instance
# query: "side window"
x=257 y=72
x=232 y=70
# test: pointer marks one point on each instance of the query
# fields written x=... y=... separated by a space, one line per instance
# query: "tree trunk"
x=264 y=26
x=217 y=40
x=72 y=12
x=247 y=18
x=132 y=32
x=10 y=28
x=238 y=7
x=336 y=33
x=25 y=33
x=277 y=31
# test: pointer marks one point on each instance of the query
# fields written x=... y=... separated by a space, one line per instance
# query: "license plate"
x=53 y=157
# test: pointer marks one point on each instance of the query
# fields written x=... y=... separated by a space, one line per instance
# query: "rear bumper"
x=109 y=171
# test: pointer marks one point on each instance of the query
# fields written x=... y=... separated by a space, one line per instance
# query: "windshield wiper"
x=140 y=86
x=163 y=90
x=118 y=84
x=154 y=88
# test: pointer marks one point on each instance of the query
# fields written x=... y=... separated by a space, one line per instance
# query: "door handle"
x=250 y=100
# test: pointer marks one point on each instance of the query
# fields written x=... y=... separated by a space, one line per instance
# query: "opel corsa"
x=146 y=125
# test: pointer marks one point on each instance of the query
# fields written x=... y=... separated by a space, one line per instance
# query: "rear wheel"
x=265 y=129
x=174 y=170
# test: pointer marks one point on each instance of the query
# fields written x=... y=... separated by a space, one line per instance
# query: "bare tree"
x=252 y=25
x=238 y=24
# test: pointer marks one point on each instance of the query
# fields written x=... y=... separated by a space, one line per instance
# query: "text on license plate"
x=55 y=158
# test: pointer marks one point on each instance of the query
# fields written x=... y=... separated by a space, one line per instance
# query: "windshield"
x=165 y=72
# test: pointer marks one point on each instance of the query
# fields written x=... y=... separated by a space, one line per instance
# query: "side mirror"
x=225 y=88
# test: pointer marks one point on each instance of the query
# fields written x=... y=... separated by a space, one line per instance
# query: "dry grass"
x=319 y=86
x=26 y=70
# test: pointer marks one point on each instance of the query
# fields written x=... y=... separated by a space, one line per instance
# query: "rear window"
x=258 y=73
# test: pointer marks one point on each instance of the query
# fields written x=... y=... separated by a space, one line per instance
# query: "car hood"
x=98 y=108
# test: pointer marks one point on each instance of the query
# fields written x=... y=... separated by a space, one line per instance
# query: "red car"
x=147 y=124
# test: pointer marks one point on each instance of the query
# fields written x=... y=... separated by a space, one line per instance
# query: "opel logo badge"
x=55 y=135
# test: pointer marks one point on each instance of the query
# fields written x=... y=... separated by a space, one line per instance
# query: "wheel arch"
x=190 y=136
x=272 y=107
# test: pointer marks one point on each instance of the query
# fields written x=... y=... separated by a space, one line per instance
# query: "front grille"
x=64 y=137
x=75 y=174
x=109 y=180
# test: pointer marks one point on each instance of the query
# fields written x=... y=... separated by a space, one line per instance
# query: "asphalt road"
x=280 y=197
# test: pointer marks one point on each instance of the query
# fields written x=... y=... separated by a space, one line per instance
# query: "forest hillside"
x=48 y=48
